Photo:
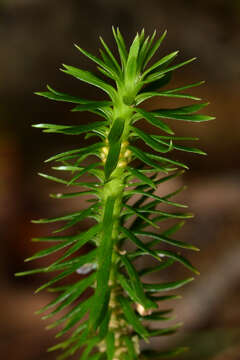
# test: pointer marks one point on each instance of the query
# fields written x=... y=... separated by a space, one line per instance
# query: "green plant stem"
x=115 y=188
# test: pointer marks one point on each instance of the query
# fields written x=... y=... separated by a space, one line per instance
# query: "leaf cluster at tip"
x=111 y=305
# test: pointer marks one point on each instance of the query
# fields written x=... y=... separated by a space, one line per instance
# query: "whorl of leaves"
x=123 y=207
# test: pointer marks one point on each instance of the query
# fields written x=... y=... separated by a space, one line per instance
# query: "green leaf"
x=151 y=118
x=183 y=110
x=68 y=240
x=77 y=214
x=82 y=172
x=147 y=47
x=143 y=51
x=189 y=149
x=167 y=160
x=178 y=258
x=132 y=318
x=112 y=158
x=159 y=74
x=121 y=41
x=127 y=288
x=68 y=342
x=157 y=182
x=170 y=93
x=58 y=96
x=91 y=149
x=134 y=211
x=68 y=224
x=168 y=196
x=160 y=62
x=70 y=264
x=161 y=238
x=79 y=288
x=171 y=255
x=154 y=48
x=88 y=235
x=73 y=194
x=104 y=327
x=157 y=316
x=131 y=65
x=145 y=179
x=70 y=130
x=139 y=223
x=145 y=158
x=110 y=342
x=54 y=280
x=73 y=316
x=179 y=147
x=165 y=264
x=178 y=138
x=139 y=243
x=131 y=349
x=121 y=46
x=167 y=286
x=110 y=56
x=174 y=228
x=97 y=61
x=104 y=265
x=96 y=108
x=51 y=250
x=69 y=290
x=136 y=284
x=160 y=199
x=116 y=130
x=89 y=78
x=53 y=178
x=148 y=140
x=90 y=345
x=168 y=215
x=107 y=73
x=90 y=184
x=71 y=168
x=142 y=36
x=80 y=341
x=185 y=87
x=157 y=84
x=185 y=117
x=102 y=111
x=53 y=238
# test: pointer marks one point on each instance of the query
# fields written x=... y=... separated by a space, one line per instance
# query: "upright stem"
x=115 y=187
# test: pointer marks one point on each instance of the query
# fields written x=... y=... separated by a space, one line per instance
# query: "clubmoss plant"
x=116 y=314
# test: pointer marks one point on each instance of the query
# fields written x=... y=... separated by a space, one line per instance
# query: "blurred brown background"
x=36 y=36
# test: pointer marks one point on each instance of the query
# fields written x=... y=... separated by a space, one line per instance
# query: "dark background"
x=35 y=38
